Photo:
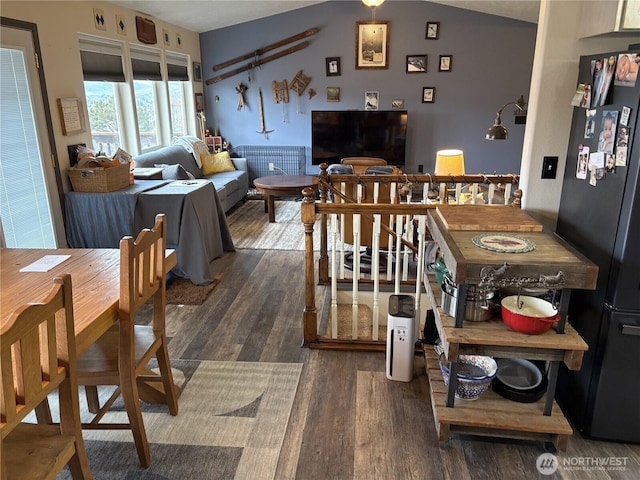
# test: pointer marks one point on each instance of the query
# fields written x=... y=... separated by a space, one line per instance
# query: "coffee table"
x=282 y=185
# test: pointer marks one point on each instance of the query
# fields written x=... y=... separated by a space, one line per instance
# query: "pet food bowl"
x=475 y=373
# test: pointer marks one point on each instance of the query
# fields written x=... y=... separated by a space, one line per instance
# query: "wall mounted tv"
x=352 y=133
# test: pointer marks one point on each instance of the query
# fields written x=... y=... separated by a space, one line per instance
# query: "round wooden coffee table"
x=282 y=185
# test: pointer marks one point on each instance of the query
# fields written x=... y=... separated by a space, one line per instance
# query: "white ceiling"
x=205 y=15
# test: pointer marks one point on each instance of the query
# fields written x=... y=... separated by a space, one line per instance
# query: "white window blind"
x=24 y=205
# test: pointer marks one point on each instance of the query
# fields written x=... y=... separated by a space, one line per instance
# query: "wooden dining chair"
x=360 y=164
x=38 y=356
x=120 y=357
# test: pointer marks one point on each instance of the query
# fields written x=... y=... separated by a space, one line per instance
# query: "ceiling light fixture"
x=498 y=131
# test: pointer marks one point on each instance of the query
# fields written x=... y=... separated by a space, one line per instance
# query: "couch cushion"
x=174 y=172
x=216 y=163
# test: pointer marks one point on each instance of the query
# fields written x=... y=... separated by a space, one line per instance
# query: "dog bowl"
x=475 y=373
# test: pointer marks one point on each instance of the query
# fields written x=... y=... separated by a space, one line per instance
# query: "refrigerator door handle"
x=630 y=330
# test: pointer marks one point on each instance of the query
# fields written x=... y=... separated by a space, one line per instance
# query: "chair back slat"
x=142 y=265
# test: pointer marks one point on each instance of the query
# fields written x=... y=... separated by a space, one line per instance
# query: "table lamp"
x=449 y=162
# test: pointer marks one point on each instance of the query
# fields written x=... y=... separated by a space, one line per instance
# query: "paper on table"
x=188 y=183
x=45 y=264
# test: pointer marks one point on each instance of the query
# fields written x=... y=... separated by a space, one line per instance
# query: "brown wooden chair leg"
x=93 y=403
x=167 y=378
x=131 y=401
x=43 y=413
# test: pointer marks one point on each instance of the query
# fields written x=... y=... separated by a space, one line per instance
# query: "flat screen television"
x=336 y=134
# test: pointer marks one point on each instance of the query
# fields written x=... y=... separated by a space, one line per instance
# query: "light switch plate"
x=549 y=167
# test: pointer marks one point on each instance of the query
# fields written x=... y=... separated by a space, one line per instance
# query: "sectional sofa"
x=231 y=186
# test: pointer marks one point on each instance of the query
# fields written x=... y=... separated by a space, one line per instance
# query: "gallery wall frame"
x=332 y=66
x=372 y=45
x=428 y=94
x=199 y=102
x=197 y=72
x=445 y=63
x=333 y=94
x=371 y=100
x=416 y=63
x=432 y=31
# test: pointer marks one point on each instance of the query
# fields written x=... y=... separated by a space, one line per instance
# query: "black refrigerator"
x=600 y=216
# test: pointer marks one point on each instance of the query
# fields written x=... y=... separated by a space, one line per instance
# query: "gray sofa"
x=230 y=186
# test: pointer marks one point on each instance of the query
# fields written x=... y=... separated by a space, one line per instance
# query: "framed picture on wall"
x=428 y=94
x=332 y=65
x=372 y=45
x=199 y=102
x=445 y=63
x=433 y=31
x=333 y=94
x=416 y=64
x=197 y=72
x=371 y=100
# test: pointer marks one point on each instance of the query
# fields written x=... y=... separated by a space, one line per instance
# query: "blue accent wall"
x=492 y=64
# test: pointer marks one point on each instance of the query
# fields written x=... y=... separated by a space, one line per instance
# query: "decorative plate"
x=500 y=242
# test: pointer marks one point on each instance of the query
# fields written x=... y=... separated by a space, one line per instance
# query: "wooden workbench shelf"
x=454 y=230
x=495 y=339
x=492 y=415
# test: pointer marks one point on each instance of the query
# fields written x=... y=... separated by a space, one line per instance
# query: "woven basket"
x=99 y=179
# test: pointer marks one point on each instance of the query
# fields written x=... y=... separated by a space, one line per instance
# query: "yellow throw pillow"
x=216 y=163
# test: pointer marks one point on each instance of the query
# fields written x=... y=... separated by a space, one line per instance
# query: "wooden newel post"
x=517 y=201
x=310 y=316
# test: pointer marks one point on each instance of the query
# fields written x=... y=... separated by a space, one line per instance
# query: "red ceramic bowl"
x=533 y=316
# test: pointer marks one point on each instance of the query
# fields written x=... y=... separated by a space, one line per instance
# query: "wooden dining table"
x=95 y=279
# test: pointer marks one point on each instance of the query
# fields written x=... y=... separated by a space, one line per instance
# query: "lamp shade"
x=449 y=162
x=372 y=3
x=497 y=131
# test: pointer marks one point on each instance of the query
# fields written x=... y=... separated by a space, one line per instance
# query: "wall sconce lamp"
x=498 y=131
x=449 y=162
x=373 y=4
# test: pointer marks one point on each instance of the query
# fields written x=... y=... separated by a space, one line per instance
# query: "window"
x=147 y=84
x=137 y=109
x=176 y=103
x=177 y=76
x=103 y=71
x=103 y=116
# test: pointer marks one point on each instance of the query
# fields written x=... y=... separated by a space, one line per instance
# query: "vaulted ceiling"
x=205 y=15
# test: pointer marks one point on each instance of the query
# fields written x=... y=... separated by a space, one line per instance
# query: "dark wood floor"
x=348 y=421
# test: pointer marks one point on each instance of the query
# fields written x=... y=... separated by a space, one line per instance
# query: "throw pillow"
x=173 y=172
x=216 y=163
